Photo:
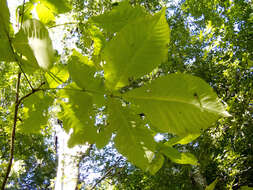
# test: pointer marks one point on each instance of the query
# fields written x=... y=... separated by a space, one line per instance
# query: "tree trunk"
x=68 y=162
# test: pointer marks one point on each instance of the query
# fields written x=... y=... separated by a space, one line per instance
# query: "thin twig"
x=32 y=92
x=106 y=174
x=13 y=133
x=17 y=103
x=20 y=66
x=68 y=23
x=22 y=18
x=24 y=74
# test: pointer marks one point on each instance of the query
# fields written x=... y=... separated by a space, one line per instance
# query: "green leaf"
x=21 y=45
x=78 y=114
x=178 y=157
x=6 y=53
x=156 y=164
x=178 y=103
x=143 y=46
x=35 y=112
x=83 y=71
x=114 y=20
x=104 y=136
x=45 y=15
x=183 y=139
x=98 y=39
x=212 y=185
x=40 y=43
x=133 y=139
x=246 y=188
x=28 y=7
x=57 y=6
x=57 y=75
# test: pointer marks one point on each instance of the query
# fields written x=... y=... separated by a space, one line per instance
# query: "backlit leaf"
x=77 y=114
x=40 y=43
x=182 y=139
x=178 y=103
x=136 y=50
x=57 y=6
x=28 y=7
x=83 y=72
x=6 y=53
x=21 y=45
x=45 y=15
x=57 y=75
x=156 y=164
x=35 y=112
x=178 y=157
x=133 y=139
x=212 y=185
x=114 y=20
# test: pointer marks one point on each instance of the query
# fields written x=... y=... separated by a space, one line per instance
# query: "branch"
x=17 y=103
x=13 y=133
x=32 y=92
x=68 y=23
x=106 y=174
x=10 y=42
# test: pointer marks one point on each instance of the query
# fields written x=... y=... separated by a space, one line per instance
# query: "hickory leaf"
x=178 y=157
x=21 y=45
x=182 y=139
x=178 y=103
x=212 y=185
x=6 y=53
x=37 y=38
x=57 y=75
x=133 y=139
x=83 y=71
x=45 y=15
x=114 y=20
x=136 y=50
x=77 y=114
x=56 y=6
x=36 y=112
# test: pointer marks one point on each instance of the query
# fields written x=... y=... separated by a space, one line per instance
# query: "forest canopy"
x=126 y=94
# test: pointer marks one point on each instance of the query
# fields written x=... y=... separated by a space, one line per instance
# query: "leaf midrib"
x=173 y=100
